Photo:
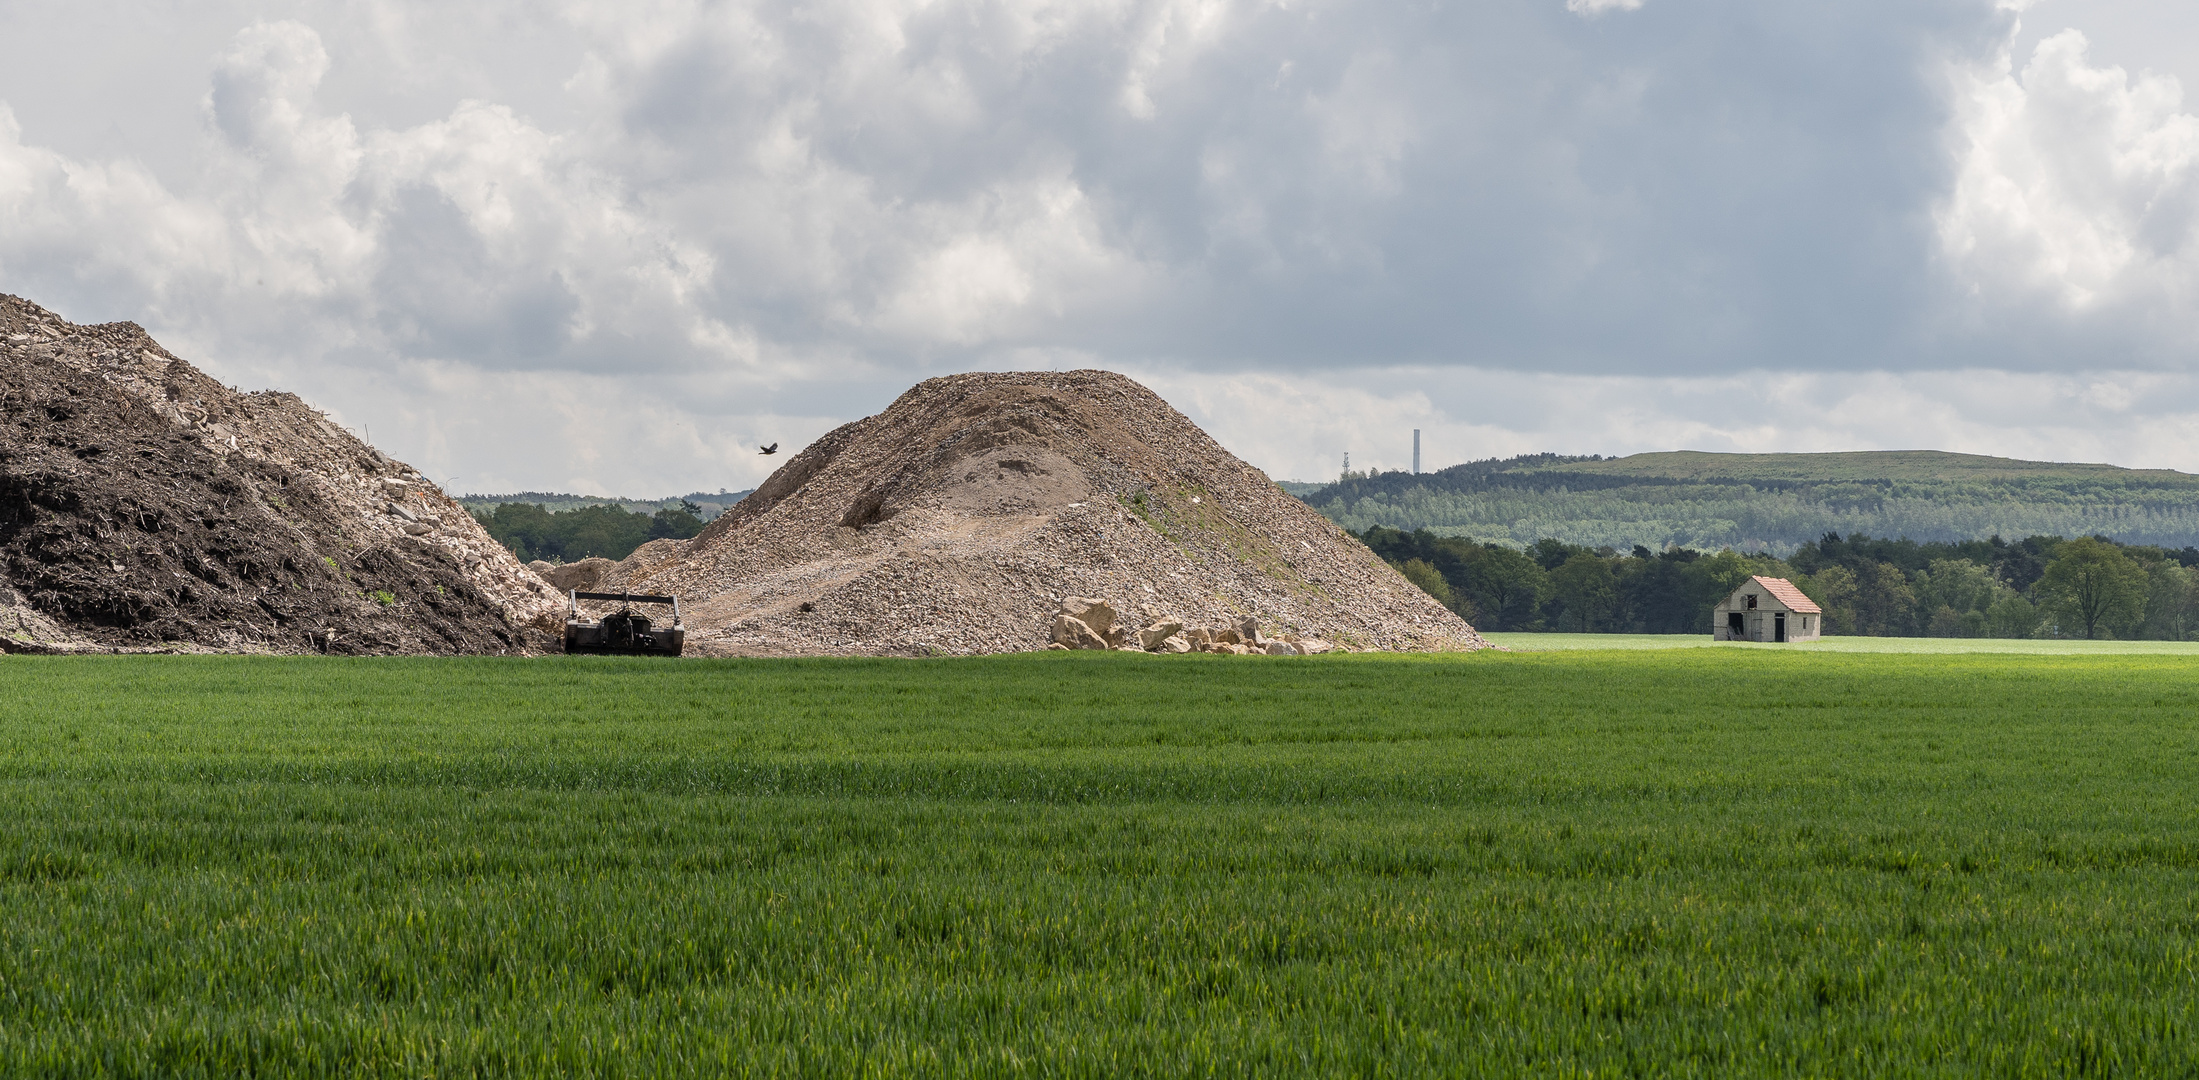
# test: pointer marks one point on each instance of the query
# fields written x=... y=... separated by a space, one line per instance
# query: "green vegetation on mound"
x=1714 y=862
x=1770 y=502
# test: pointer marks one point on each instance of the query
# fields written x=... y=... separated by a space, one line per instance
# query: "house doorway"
x=1779 y=626
x=1734 y=630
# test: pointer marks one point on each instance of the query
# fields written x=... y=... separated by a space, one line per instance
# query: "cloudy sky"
x=611 y=247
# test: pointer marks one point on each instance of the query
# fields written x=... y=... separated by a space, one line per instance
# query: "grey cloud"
x=1690 y=188
x=440 y=292
x=770 y=213
x=1693 y=188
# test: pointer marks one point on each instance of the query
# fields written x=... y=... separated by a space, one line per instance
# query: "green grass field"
x=1710 y=862
x=1525 y=642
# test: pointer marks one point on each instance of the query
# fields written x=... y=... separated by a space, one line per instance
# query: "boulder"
x=26 y=629
x=1151 y=637
x=1071 y=632
x=1316 y=646
x=584 y=575
x=1224 y=637
x=1281 y=648
x=1096 y=614
x=1174 y=645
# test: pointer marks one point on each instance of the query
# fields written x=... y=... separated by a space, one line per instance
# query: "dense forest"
x=564 y=528
x=1768 y=502
x=2044 y=586
x=533 y=531
x=706 y=505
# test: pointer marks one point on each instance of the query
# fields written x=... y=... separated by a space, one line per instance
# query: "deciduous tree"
x=2095 y=584
x=1423 y=573
x=1885 y=606
x=1507 y=586
x=1834 y=590
x=1583 y=584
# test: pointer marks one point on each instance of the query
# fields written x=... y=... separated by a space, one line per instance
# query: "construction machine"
x=624 y=632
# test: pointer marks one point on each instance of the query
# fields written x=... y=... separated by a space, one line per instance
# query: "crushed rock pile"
x=960 y=519
x=144 y=505
x=1086 y=623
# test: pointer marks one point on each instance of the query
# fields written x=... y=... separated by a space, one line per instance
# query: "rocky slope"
x=960 y=520
x=144 y=505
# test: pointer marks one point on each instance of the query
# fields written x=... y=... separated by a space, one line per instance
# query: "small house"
x=1768 y=609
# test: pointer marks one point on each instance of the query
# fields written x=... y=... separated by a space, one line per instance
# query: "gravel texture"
x=958 y=520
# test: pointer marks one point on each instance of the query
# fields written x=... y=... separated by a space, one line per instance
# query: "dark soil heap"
x=144 y=505
x=960 y=518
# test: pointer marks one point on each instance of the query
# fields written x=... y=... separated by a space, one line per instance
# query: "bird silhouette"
x=772 y=449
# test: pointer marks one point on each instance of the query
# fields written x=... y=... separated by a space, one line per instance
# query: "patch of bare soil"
x=146 y=506
x=960 y=520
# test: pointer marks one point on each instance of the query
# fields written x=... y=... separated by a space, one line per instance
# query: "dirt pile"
x=961 y=518
x=144 y=505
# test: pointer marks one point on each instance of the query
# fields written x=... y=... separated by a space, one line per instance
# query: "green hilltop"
x=1858 y=465
x=1771 y=502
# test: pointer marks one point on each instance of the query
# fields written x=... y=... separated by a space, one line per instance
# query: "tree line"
x=2043 y=586
x=533 y=532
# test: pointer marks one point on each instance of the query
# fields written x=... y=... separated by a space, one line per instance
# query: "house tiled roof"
x=1784 y=591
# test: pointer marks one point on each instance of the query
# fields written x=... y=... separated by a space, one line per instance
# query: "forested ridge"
x=603 y=530
x=561 y=528
x=2041 y=586
x=1768 y=502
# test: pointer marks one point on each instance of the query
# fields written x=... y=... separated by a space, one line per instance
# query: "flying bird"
x=772 y=449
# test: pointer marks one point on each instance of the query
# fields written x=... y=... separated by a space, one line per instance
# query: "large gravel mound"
x=959 y=519
x=144 y=505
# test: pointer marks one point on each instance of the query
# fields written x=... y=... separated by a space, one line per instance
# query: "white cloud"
x=1598 y=7
x=595 y=434
x=487 y=230
x=1169 y=32
x=107 y=227
x=2078 y=189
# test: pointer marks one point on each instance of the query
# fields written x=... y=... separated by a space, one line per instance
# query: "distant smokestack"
x=1416 y=451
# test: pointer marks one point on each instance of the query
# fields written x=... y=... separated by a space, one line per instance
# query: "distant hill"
x=1933 y=466
x=1770 y=502
x=713 y=503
